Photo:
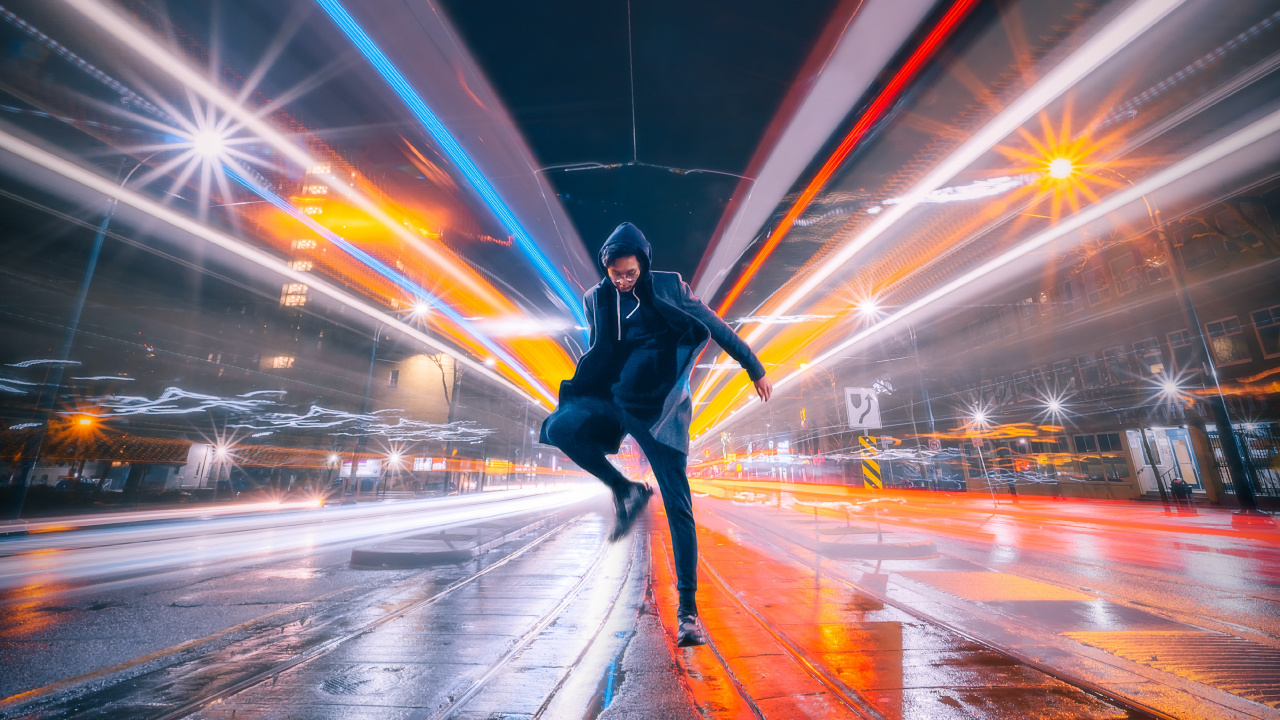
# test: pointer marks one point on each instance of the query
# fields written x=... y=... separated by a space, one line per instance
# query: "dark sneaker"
x=630 y=505
x=690 y=632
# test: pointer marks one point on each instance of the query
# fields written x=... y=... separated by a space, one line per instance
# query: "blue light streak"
x=456 y=154
x=404 y=283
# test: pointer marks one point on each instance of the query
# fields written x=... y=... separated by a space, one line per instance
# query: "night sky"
x=709 y=77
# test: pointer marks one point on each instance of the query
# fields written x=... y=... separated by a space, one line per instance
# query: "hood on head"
x=631 y=239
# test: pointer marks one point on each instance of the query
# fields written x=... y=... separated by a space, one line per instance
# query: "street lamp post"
x=364 y=409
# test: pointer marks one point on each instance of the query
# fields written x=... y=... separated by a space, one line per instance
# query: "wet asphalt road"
x=1030 y=611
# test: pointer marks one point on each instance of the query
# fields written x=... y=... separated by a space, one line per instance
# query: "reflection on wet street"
x=819 y=602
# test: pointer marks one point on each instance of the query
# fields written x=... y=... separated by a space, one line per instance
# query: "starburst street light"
x=208 y=144
x=1053 y=407
x=1169 y=389
x=1061 y=168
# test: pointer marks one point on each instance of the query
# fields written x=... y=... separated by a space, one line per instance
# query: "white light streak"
x=105 y=377
x=33 y=363
x=237 y=247
x=781 y=319
x=973 y=191
x=523 y=327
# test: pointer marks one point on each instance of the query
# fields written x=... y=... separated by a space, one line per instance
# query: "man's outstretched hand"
x=764 y=388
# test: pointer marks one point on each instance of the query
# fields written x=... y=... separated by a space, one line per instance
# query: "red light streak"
x=889 y=95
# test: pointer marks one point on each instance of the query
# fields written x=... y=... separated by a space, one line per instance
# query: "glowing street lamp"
x=1061 y=168
x=869 y=309
x=208 y=144
x=84 y=421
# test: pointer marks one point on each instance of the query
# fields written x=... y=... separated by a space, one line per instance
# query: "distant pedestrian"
x=646 y=331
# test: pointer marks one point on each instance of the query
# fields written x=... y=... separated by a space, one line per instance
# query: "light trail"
x=237 y=247
x=384 y=270
x=885 y=100
x=164 y=60
x=460 y=158
x=1119 y=33
x=1122 y=30
x=73 y=556
x=1233 y=143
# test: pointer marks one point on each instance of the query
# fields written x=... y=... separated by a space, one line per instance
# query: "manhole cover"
x=362 y=682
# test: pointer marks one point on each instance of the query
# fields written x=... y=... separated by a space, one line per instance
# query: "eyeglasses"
x=630 y=275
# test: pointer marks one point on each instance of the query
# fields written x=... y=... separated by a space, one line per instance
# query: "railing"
x=1261 y=445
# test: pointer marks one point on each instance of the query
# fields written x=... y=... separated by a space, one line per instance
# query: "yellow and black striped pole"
x=870 y=466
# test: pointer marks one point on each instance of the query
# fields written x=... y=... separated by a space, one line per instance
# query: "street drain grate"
x=1228 y=663
x=362 y=682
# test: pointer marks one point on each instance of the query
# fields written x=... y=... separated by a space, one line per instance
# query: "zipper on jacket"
x=619 y=308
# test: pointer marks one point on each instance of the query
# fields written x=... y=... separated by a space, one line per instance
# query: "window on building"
x=1196 y=244
x=317 y=189
x=1096 y=288
x=1028 y=313
x=975 y=333
x=1008 y=322
x=293 y=294
x=1128 y=272
x=320 y=169
x=1267 y=325
x=1069 y=294
x=1022 y=387
x=393 y=380
x=278 y=362
x=1064 y=375
x=1086 y=443
x=301 y=265
x=1116 y=366
x=1158 y=269
x=1090 y=370
x=1183 y=351
x=990 y=330
x=1149 y=357
x=313 y=209
x=304 y=244
x=1236 y=228
x=1226 y=341
x=1109 y=442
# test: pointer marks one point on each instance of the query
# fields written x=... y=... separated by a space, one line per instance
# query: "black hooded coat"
x=694 y=324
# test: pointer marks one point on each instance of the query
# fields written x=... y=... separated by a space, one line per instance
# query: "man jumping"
x=646 y=331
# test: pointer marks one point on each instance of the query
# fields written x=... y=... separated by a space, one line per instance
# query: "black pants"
x=571 y=432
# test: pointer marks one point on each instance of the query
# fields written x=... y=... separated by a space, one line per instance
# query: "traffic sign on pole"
x=863 y=407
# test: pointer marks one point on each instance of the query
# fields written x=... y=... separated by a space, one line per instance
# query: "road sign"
x=863 y=407
x=935 y=444
x=870 y=466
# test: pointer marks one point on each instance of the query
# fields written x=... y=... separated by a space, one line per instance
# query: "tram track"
x=284 y=646
x=477 y=686
x=847 y=696
x=206 y=700
x=772 y=539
